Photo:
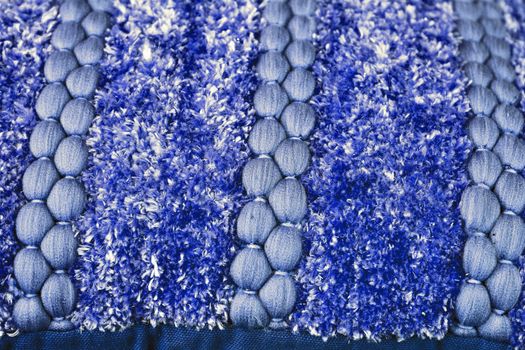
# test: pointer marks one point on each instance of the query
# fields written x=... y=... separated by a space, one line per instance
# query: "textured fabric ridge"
x=492 y=204
x=164 y=173
x=25 y=29
x=514 y=15
x=383 y=238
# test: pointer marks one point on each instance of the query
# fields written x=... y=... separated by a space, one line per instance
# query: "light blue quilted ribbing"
x=270 y=225
x=492 y=204
x=56 y=196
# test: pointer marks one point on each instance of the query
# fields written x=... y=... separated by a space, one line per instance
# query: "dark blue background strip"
x=168 y=337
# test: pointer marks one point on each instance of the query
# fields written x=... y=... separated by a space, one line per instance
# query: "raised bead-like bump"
x=53 y=198
x=280 y=98
x=511 y=151
x=82 y=81
x=250 y=269
x=101 y=5
x=29 y=314
x=479 y=258
x=283 y=248
x=502 y=69
x=468 y=10
x=509 y=119
x=497 y=46
x=508 y=236
x=31 y=270
x=71 y=156
x=509 y=189
x=58 y=295
x=479 y=208
x=506 y=92
x=494 y=27
x=484 y=167
x=474 y=51
x=301 y=27
x=272 y=66
x=288 y=200
x=67 y=35
x=504 y=286
x=45 y=138
x=298 y=119
x=302 y=7
x=32 y=222
x=39 y=178
x=255 y=222
x=76 y=117
x=470 y=30
x=51 y=101
x=274 y=38
x=89 y=51
x=292 y=157
x=478 y=73
x=247 y=310
x=67 y=199
x=299 y=84
x=265 y=136
x=58 y=65
x=95 y=23
x=277 y=12
x=483 y=132
x=269 y=100
x=260 y=175
x=60 y=235
x=300 y=53
x=473 y=305
x=492 y=87
x=278 y=295
x=496 y=327
x=482 y=100
x=74 y=10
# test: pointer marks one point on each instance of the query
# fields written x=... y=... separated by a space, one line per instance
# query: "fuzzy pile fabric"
x=156 y=240
x=383 y=240
x=383 y=237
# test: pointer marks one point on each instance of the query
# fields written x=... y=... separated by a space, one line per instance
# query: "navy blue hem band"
x=169 y=337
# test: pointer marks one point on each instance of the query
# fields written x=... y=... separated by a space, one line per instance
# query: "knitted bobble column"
x=269 y=225
x=56 y=197
x=492 y=204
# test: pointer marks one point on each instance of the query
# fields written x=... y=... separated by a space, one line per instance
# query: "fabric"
x=175 y=104
x=171 y=338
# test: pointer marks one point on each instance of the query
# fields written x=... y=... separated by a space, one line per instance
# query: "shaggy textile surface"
x=25 y=29
x=384 y=236
x=514 y=11
x=164 y=173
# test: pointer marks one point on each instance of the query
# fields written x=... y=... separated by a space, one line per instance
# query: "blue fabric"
x=167 y=337
x=383 y=240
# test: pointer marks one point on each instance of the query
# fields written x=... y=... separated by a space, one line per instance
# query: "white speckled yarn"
x=492 y=204
x=270 y=224
x=56 y=196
